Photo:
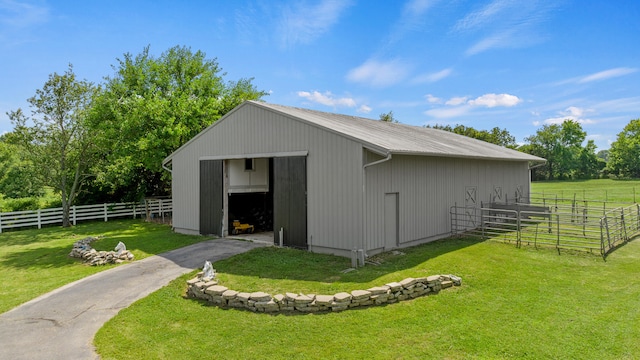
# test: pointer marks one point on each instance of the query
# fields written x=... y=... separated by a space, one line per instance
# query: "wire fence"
x=150 y=209
x=583 y=225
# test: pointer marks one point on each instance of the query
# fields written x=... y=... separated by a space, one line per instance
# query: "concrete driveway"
x=62 y=323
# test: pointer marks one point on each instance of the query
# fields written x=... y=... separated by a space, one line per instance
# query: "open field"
x=626 y=191
x=34 y=262
x=513 y=303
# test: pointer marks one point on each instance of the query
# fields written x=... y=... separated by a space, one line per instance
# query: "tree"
x=55 y=137
x=150 y=107
x=561 y=145
x=388 y=117
x=589 y=164
x=17 y=178
x=624 y=154
x=495 y=136
x=604 y=155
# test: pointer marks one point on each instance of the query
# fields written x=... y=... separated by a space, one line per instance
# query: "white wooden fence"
x=149 y=209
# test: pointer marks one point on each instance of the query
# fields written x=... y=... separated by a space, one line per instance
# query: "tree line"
x=105 y=142
x=568 y=155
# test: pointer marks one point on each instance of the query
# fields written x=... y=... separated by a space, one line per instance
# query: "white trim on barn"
x=357 y=182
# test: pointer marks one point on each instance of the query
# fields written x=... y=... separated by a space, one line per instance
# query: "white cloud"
x=17 y=14
x=571 y=113
x=575 y=111
x=302 y=23
x=16 y=20
x=455 y=101
x=417 y=7
x=483 y=16
x=493 y=100
x=461 y=105
x=379 y=74
x=432 y=77
x=327 y=98
x=432 y=99
x=448 y=112
x=607 y=74
x=622 y=105
x=492 y=42
x=504 y=24
x=364 y=109
x=411 y=19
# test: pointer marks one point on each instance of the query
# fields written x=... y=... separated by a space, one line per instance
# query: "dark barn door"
x=290 y=201
x=211 y=210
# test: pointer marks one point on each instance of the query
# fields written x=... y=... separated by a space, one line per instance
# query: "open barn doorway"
x=250 y=196
x=255 y=195
x=268 y=195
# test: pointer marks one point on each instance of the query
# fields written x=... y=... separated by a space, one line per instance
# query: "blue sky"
x=514 y=64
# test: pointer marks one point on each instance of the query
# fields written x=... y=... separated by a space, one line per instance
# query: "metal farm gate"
x=581 y=225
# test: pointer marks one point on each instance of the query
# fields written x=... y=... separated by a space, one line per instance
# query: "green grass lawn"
x=34 y=262
x=627 y=191
x=513 y=303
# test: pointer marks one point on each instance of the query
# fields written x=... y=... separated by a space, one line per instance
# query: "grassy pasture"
x=623 y=191
x=514 y=303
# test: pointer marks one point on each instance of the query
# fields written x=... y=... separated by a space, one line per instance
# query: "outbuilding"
x=334 y=183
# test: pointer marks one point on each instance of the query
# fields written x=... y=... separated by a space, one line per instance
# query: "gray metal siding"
x=341 y=214
x=334 y=172
x=427 y=188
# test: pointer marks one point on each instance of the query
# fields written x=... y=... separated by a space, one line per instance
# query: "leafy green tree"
x=624 y=154
x=496 y=135
x=589 y=164
x=55 y=137
x=17 y=178
x=561 y=145
x=388 y=117
x=604 y=155
x=149 y=108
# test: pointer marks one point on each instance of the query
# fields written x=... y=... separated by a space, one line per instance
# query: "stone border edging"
x=406 y=289
x=83 y=250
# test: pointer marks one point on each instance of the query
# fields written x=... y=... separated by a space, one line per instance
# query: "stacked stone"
x=82 y=250
x=410 y=288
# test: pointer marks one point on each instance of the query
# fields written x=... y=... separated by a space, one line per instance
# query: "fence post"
x=73 y=215
x=584 y=222
x=518 y=229
x=0 y=223
x=624 y=226
x=606 y=224
x=558 y=230
x=454 y=219
x=482 y=221
x=106 y=217
x=574 y=210
x=601 y=238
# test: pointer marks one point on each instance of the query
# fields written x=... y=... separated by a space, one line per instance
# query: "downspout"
x=164 y=166
x=531 y=168
x=364 y=201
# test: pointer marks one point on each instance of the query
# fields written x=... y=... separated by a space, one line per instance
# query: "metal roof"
x=394 y=138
